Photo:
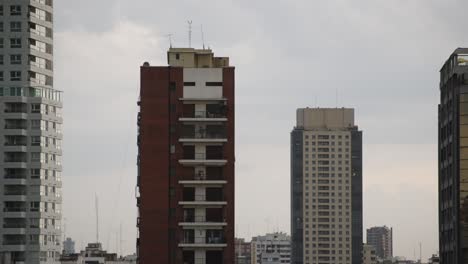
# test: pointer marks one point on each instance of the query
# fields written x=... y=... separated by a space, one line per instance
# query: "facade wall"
x=328 y=209
x=30 y=134
x=453 y=172
x=174 y=206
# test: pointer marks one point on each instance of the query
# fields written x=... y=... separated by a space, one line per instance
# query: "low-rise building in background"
x=368 y=254
x=243 y=253
x=68 y=246
x=94 y=254
x=274 y=248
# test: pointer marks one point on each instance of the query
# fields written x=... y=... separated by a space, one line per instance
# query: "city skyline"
x=406 y=77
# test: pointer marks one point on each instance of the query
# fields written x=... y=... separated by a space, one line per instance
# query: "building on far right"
x=453 y=159
x=381 y=238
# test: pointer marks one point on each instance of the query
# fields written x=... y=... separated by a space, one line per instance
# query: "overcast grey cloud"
x=382 y=57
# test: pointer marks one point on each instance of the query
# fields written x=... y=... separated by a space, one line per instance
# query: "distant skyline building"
x=95 y=254
x=68 y=246
x=186 y=160
x=326 y=187
x=381 y=238
x=272 y=248
x=243 y=251
x=453 y=159
x=368 y=254
x=30 y=135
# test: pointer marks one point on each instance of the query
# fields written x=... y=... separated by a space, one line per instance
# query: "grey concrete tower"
x=326 y=187
x=30 y=135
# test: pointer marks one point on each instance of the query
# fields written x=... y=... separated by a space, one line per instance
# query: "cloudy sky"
x=381 y=56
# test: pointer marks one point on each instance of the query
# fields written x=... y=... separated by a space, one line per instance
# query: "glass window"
x=15 y=10
x=1 y=26
x=15 y=59
x=1 y=10
x=15 y=76
x=1 y=43
x=1 y=59
x=1 y=76
x=16 y=91
x=15 y=43
x=15 y=26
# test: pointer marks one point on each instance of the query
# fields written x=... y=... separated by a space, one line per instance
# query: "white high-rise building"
x=326 y=187
x=274 y=248
x=30 y=134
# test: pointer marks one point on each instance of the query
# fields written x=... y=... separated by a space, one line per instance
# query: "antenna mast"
x=97 y=219
x=203 y=36
x=190 y=33
x=170 y=39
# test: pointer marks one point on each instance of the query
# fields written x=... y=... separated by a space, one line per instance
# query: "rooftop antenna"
x=121 y=240
x=190 y=33
x=170 y=39
x=336 y=97
x=420 y=252
x=203 y=36
x=97 y=219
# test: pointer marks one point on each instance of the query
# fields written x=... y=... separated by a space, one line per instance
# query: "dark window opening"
x=214 y=84
x=189 y=83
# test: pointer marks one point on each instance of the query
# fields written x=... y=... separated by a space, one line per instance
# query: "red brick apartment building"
x=186 y=160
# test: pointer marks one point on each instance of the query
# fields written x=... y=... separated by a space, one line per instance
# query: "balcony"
x=15 y=174
x=209 y=217
x=16 y=124
x=207 y=176
x=209 y=257
x=15 y=157
x=15 y=190
x=212 y=239
x=203 y=116
x=211 y=196
x=203 y=134
x=206 y=156
x=16 y=108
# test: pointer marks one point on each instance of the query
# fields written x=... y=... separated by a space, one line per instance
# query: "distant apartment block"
x=453 y=159
x=186 y=160
x=30 y=135
x=326 y=187
x=94 y=254
x=368 y=254
x=273 y=248
x=68 y=246
x=242 y=249
x=381 y=238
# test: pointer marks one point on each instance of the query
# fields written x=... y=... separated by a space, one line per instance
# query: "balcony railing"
x=204 y=240
x=203 y=156
x=204 y=114
x=204 y=198
x=206 y=177
x=14 y=209
x=15 y=192
x=204 y=135
x=18 y=242
x=15 y=176
x=14 y=225
x=201 y=219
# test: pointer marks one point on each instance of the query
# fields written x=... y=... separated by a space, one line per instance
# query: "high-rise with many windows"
x=326 y=187
x=381 y=238
x=186 y=160
x=30 y=134
x=453 y=159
